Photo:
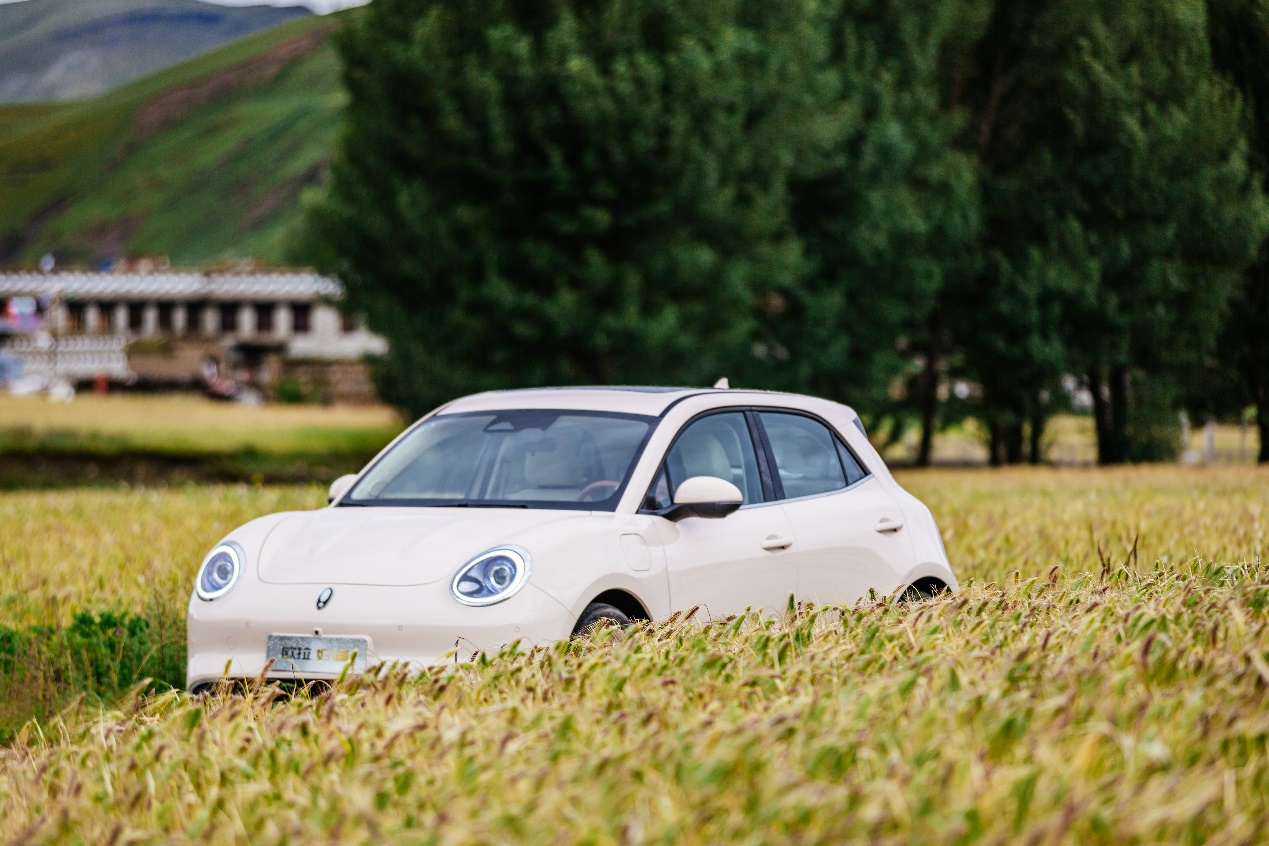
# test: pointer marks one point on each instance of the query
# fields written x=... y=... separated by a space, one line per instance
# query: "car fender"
x=930 y=570
x=574 y=567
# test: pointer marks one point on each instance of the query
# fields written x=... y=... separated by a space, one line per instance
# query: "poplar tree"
x=1239 y=35
x=643 y=191
x=533 y=192
x=1119 y=213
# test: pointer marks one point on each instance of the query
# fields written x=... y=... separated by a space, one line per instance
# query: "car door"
x=736 y=562
x=849 y=531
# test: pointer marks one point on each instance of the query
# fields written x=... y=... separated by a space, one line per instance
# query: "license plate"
x=301 y=654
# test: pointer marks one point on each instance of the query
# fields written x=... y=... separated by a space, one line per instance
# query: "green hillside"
x=200 y=162
x=64 y=49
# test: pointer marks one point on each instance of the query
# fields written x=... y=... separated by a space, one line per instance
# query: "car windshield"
x=511 y=459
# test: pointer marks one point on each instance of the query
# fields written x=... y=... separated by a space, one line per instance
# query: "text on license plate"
x=300 y=653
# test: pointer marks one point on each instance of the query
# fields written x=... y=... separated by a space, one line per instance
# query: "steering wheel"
x=594 y=486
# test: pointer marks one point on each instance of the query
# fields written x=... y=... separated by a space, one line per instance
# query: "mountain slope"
x=64 y=49
x=200 y=162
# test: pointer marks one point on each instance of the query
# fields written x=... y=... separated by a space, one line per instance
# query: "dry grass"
x=1067 y=695
x=1068 y=441
x=187 y=423
x=119 y=549
x=1031 y=519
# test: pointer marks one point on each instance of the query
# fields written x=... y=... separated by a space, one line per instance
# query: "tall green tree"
x=1119 y=211
x=1239 y=33
x=886 y=212
x=563 y=191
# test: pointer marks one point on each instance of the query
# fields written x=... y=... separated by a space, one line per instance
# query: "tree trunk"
x=1262 y=421
x=1101 y=412
x=1118 y=414
x=1036 y=432
x=929 y=402
x=996 y=452
x=1014 y=441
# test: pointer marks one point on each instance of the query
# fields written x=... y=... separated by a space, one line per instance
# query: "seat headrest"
x=557 y=467
x=805 y=458
x=703 y=455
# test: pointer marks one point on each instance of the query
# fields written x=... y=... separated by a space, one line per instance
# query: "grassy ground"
x=180 y=424
x=1075 y=691
x=1069 y=441
x=230 y=135
x=182 y=438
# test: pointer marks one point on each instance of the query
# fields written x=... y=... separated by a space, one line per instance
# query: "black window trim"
x=837 y=437
x=758 y=449
x=772 y=489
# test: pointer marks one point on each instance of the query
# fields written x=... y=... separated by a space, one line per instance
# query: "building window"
x=165 y=318
x=197 y=317
x=301 y=318
x=229 y=318
x=75 y=317
x=348 y=322
x=264 y=318
x=136 y=317
x=105 y=318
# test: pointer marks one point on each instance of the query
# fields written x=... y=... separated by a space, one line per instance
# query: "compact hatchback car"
x=532 y=515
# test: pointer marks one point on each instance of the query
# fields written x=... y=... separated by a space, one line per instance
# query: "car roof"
x=648 y=401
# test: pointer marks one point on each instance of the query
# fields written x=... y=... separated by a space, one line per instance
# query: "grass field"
x=1075 y=691
x=166 y=439
x=179 y=424
x=1068 y=441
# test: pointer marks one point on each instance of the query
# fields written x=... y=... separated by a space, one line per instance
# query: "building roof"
x=177 y=287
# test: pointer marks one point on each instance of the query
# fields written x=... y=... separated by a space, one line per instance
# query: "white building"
x=164 y=328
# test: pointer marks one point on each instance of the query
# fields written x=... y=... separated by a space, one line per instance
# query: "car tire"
x=916 y=594
x=599 y=614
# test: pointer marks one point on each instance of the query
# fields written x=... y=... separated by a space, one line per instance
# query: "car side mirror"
x=340 y=486
x=704 y=496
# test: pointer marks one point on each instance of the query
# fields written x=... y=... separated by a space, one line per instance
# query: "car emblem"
x=323 y=599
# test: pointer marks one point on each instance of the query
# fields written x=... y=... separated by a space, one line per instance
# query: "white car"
x=532 y=515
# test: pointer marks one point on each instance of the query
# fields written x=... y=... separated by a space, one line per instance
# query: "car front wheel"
x=599 y=614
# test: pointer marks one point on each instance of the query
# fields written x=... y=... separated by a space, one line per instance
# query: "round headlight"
x=492 y=576
x=219 y=572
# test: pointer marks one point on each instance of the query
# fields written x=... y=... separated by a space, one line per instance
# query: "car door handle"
x=775 y=542
x=887 y=524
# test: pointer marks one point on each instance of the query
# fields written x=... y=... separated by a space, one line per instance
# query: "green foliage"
x=642 y=191
x=1239 y=33
x=1120 y=205
x=887 y=213
x=98 y=655
x=1154 y=427
x=553 y=192
x=292 y=391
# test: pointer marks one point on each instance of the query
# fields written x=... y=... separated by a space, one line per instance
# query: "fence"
x=74 y=357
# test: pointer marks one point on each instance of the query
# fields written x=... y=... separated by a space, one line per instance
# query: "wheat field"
x=1102 y=677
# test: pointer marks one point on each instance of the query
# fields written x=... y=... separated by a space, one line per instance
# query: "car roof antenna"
x=722 y=384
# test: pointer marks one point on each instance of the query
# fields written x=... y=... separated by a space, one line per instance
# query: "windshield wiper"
x=479 y=505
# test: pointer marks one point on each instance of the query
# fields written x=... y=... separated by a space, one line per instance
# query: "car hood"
x=390 y=546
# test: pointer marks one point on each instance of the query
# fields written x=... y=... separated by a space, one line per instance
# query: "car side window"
x=805 y=453
x=718 y=445
x=854 y=470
